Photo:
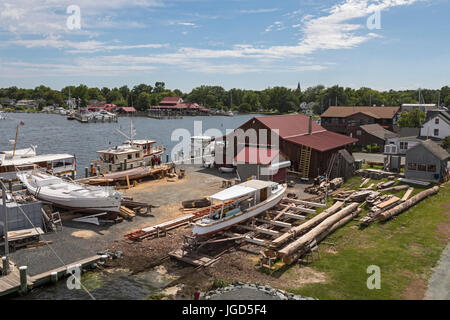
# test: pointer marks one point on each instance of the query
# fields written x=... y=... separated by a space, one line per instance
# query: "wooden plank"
x=281 y=212
x=388 y=202
x=260 y=230
x=128 y=182
x=407 y=194
x=294 y=216
x=276 y=223
x=299 y=209
x=364 y=182
x=308 y=203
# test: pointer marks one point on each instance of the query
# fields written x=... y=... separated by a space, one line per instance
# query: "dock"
x=85 y=119
x=12 y=283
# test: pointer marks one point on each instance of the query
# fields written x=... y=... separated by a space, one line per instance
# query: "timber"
x=306 y=203
x=408 y=203
x=396 y=188
x=304 y=227
x=325 y=225
x=337 y=225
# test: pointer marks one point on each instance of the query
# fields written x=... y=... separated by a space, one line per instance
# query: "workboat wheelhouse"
x=239 y=203
x=132 y=154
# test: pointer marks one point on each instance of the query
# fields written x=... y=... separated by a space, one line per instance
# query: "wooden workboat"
x=71 y=195
x=250 y=199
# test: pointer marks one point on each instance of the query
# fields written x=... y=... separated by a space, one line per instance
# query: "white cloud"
x=82 y=46
x=43 y=17
x=260 y=10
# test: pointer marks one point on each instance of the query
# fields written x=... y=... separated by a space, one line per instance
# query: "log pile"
x=323 y=185
x=408 y=203
x=297 y=248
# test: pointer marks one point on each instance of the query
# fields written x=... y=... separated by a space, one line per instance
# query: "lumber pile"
x=297 y=248
x=321 y=186
x=126 y=213
x=408 y=203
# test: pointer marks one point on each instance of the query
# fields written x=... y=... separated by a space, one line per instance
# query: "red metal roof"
x=323 y=141
x=289 y=125
x=254 y=155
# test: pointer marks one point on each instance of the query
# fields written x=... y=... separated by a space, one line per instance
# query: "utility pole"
x=5 y=229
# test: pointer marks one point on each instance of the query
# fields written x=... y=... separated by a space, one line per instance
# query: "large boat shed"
x=302 y=141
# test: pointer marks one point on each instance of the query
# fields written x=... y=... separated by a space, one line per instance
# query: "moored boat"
x=71 y=195
x=250 y=198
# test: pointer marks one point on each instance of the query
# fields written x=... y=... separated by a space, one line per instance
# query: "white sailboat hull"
x=84 y=199
x=208 y=229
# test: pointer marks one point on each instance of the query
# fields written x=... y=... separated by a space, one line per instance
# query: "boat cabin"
x=56 y=164
x=131 y=154
x=244 y=196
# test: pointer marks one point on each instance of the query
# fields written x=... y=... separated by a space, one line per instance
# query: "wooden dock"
x=11 y=283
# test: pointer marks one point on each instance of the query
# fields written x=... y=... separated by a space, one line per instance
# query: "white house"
x=399 y=145
x=436 y=125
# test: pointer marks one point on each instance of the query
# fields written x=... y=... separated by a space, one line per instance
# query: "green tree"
x=143 y=101
x=413 y=119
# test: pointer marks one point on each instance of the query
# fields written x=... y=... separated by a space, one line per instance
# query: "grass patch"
x=405 y=248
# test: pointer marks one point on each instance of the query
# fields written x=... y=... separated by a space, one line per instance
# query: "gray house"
x=427 y=161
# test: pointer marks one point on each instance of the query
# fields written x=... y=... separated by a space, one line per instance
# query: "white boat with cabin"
x=71 y=195
x=239 y=203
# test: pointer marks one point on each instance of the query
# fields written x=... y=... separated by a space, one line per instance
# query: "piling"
x=5 y=264
x=86 y=172
x=10 y=185
x=73 y=175
x=121 y=166
x=98 y=171
x=125 y=164
x=110 y=167
x=167 y=158
x=92 y=170
x=23 y=279
x=54 y=277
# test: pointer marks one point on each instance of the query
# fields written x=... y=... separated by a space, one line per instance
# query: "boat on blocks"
x=248 y=199
x=71 y=195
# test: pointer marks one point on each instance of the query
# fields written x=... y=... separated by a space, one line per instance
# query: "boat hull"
x=201 y=230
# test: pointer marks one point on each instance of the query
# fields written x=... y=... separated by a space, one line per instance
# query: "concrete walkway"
x=439 y=284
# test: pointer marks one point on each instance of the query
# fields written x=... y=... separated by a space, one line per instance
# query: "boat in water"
x=3 y=115
x=71 y=195
x=238 y=204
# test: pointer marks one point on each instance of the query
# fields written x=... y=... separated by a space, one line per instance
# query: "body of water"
x=53 y=133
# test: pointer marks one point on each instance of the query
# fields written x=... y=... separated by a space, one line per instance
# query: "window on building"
x=137 y=155
x=422 y=167
x=358 y=132
x=436 y=121
x=130 y=156
x=436 y=132
x=431 y=168
x=412 y=166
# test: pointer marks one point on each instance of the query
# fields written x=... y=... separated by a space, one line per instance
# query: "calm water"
x=55 y=134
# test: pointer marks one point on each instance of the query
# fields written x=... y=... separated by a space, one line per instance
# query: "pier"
x=18 y=281
x=92 y=119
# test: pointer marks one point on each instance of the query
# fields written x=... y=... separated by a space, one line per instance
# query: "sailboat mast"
x=15 y=140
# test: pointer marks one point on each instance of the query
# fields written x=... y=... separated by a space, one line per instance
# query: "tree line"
x=276 y=99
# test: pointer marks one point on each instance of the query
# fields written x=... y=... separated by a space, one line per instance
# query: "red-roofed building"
x=176 y=105
x=307 y=145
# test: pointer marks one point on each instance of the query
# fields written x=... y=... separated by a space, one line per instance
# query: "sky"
x=249 y=44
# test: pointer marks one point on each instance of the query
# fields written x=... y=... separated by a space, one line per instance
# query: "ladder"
x=305 y=159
